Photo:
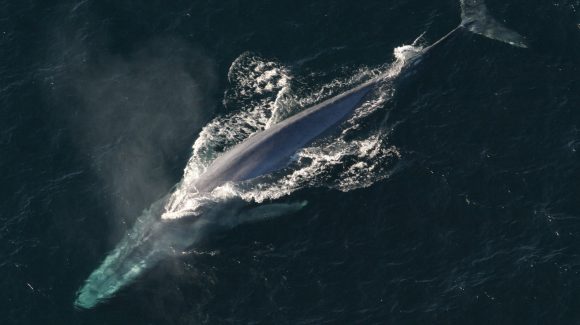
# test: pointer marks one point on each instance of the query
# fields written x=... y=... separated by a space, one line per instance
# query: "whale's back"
x=271 y=149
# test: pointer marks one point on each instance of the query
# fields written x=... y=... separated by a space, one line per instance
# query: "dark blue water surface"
x=478 y=223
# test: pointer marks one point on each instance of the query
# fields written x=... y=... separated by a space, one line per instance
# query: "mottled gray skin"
x=271 y=149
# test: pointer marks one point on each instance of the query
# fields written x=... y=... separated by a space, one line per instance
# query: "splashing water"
x=264 y=93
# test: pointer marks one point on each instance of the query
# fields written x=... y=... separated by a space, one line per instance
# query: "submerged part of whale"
x=476 y=18
x=152 y=238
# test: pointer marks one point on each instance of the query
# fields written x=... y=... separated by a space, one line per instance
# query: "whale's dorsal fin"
x=475 y=18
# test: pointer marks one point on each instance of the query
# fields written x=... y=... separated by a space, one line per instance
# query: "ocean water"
x=449 y=198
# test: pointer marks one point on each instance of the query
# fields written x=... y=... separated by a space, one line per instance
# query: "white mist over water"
x=264 y=93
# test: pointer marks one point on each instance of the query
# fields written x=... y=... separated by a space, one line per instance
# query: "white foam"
x=262 y=93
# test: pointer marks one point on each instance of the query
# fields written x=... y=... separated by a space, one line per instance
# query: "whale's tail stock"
x=476 y=18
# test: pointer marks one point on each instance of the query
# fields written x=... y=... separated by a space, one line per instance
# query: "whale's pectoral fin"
x=269 y=211
x=476 y=19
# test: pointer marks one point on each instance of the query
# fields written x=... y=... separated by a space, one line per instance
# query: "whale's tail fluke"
x=475 y=18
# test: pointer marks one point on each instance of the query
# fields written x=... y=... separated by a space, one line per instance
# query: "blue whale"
x=152 y=239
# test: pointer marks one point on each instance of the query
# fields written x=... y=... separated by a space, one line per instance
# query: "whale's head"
x=149 y=241
x=154 y=238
